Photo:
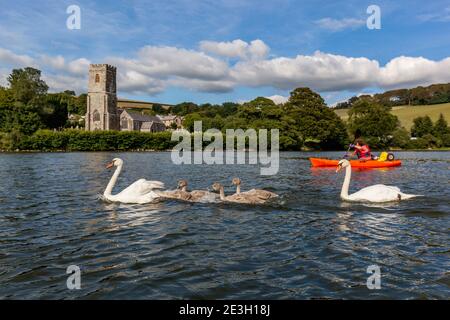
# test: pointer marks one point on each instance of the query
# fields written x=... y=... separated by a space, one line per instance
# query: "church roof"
x=142 y=117
x=147 y=125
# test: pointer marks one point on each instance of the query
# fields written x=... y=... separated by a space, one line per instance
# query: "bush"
x=401 y=138
x=77 y=140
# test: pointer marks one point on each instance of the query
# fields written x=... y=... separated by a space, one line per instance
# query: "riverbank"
x=170 y=150
x=85 y=141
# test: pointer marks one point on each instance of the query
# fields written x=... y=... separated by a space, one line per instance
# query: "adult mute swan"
x=139 y=192
x=376 y=193
x=263 y=194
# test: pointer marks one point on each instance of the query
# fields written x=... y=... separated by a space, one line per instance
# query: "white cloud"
x=321 y=71
x=340 y=24
x=62 y=82
x=232 y=49
x=408 y=71
x=153 y=69
x=256 y=49
x=8 y=57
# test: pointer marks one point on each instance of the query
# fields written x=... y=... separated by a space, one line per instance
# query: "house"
x=130 y=121
x=171 y=120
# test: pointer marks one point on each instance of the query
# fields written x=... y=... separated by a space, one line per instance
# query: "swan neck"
x=346 y=185
x=113 y=181
x=222 y=193
x=238 y=189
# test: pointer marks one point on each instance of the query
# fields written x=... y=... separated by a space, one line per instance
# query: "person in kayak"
x=362 y=150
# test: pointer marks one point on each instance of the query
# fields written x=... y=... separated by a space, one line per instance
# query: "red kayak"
x=319 y=162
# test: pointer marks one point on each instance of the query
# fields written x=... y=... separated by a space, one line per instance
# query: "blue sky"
x=205 y=51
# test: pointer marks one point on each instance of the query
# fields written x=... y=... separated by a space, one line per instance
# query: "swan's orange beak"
x=338 y=168
x=109 y=165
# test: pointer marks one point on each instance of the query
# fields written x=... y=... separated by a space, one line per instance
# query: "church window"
x=97 y=78
x=96 y=116
x=124 y=124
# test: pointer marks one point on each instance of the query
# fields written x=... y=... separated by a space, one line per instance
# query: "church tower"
x=101 y=111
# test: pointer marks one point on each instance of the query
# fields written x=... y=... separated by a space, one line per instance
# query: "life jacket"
x=364 y=152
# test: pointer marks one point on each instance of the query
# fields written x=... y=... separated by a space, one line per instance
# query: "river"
x=307 y=245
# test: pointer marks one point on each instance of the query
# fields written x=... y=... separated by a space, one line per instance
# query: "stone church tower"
x=101 y=111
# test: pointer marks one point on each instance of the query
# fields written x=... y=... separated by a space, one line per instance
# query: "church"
x=103 y=112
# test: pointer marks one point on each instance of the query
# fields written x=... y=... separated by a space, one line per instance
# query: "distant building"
x=106 y=112
x=170 y=120
x=130 y=121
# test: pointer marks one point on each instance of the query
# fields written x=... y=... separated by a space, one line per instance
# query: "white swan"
x=376 y=193
x=139 y=192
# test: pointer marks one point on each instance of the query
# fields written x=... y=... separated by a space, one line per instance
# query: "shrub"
x=77 y=140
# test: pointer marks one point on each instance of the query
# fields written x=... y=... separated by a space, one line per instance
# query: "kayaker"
x=362 y=150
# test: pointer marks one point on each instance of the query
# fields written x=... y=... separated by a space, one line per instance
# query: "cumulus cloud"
x=256 y=49
x=321 y=71
x=406 y=71
x=8 y=57
x=153 y=69
x=339 y=24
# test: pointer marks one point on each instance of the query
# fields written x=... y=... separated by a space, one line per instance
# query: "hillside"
x=406 y=114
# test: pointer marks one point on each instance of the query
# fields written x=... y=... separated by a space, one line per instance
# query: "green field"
x=406 y=114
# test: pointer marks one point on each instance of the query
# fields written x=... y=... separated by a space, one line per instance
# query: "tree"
x=422 y=126
x=185 y=108
x=6 y=110
x=441 y=127
x=314 y=121
x=158 y=109
x=188 y=122
x=373 y=121
x=80 y=105
x=27 y=85
x=27 y=93
x=54 y=114
x=401 y=138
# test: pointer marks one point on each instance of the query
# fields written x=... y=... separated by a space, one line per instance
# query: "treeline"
x=427 y=134
x=433 y=94
x=381 y=129
x=303 y=121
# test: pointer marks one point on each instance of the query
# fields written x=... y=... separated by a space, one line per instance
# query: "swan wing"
x=245 y=198
x=203 y=196
x=377 y=193
x=175 y=194
x=142 y=186
x=261 y=194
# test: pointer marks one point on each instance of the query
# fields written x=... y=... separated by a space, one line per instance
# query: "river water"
x=307 y=245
